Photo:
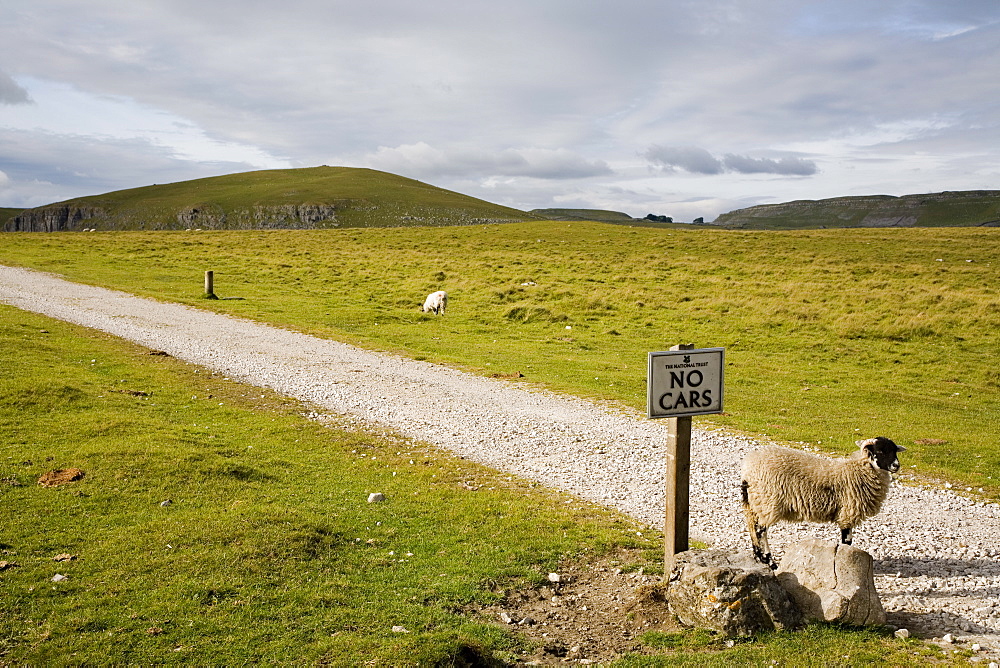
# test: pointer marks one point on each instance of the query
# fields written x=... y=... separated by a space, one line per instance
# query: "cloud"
x=689 y=158
x=527 y=101
x=784 y=166
x=421 y=160
x=699 y=161
x=11 y=92
x=44 y=167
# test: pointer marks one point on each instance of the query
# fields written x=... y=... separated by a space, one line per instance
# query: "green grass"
x=269 y=552
x=829 y=335
x=819 y=645
x=360 y=197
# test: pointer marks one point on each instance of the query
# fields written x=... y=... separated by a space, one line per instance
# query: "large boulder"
x=729 y=593
x=832 y=582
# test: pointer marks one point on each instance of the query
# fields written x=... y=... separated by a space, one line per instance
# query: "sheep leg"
x=846 y=536
x=758 y=533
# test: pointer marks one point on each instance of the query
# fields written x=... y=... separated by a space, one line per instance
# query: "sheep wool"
x=785 y=485
x=839 y=491
x=436 y=302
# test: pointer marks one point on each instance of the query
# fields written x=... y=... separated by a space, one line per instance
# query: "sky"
x=681 y=108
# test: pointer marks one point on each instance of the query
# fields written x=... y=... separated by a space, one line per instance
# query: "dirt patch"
x=594 y=613
x=60 y=477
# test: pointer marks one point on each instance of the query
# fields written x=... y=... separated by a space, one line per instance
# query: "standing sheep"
x=780 y=484
x=436 y=301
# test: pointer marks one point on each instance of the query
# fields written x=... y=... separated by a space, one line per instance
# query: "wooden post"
x=210 y=284
x=675 y=528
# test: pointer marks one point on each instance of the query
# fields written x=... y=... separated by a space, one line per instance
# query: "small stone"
x=505 y=618
x=902 y=633
x=554 y=577
x=976 y=647
x=948 y=638
x=376 y=497
x=399 y=629
x=527 y=621
x=165 y=503
x=58 y=577
x=64 y=557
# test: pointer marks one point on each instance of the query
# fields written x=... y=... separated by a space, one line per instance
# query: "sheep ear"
x=900 y=448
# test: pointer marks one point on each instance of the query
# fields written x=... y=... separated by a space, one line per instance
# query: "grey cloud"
x=784 y=166
x=45 y=167
x=330 y=81
x=421 y=160
x=689 y=158
x=11 y=92
x=699 y=161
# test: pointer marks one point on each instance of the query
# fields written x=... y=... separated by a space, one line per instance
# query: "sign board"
x=682 y=383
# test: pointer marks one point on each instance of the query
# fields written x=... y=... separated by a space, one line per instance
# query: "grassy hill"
x=7 y=213
x=946 y=209
x=316 y=197
x=597 y=215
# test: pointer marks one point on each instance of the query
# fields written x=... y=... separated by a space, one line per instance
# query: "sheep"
x=781 y=484
x=436 y=302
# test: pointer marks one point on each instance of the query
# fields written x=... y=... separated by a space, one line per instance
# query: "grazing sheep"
x=436 y=301
x=780 y=484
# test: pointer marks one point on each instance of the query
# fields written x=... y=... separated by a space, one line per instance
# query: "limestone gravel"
x=936 y=551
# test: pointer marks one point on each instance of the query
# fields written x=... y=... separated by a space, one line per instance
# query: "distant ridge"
x=308 y=198
x=597 y=215
x=945 y=209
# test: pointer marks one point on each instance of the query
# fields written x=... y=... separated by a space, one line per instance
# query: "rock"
x=165 y=503
x=376 y=497
x=554 y=577
x=58 y=577
x=832 y=582
x=399 y=629
x=902 y=633
x=729 y=593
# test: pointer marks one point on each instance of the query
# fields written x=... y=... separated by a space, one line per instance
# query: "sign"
x=682 y=383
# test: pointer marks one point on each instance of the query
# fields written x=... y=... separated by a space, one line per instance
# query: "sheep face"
x=881 y=453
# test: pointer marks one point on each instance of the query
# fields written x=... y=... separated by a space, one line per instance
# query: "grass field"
x=829 y=334
x=268 y=551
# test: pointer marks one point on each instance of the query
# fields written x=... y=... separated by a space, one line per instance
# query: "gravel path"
x=937 y=552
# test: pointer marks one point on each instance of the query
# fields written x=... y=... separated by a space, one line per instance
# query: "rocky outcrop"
x=70 y=216
x=56 y=218
x=733 y=594
x=832 y=582
x=729 y=593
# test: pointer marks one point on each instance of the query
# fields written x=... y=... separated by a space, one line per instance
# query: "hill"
x=596 y=215
x=946 y=209
x=7 y=213
x=315 y=197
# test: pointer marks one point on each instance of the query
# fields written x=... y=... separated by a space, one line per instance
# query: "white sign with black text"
x=683 y=383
